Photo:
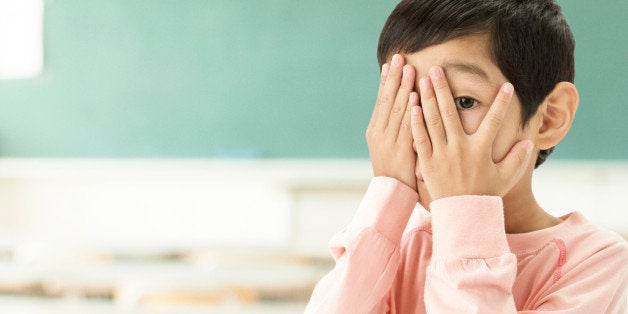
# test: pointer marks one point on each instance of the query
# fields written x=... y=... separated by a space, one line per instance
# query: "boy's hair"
x=530 y=40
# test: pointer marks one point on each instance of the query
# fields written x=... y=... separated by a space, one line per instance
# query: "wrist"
x=407 y=180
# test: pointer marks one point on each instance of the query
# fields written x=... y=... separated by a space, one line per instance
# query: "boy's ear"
x=557 y=113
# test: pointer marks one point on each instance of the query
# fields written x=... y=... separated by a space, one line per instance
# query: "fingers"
x=447 y=107
x=422 y=142
x=431 y=114
x=382 y=83
x=391 y=113
x=496 y=113
x=405 y=133
x=514 y=164
x=389 y=93
x=400 y=108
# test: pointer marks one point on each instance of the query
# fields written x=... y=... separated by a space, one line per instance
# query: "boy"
x=494 y=82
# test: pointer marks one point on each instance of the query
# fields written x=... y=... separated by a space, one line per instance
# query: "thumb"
x=514 y=164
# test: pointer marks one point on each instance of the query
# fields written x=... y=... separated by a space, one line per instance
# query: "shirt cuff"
x=386 y=207
x=468 y=226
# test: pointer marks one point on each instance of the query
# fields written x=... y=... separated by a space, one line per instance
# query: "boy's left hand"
x=453 y=162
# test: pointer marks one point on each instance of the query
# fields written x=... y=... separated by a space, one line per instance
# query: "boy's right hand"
x=389 y=136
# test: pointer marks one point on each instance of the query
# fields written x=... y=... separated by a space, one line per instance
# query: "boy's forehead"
x=469 y=55
x=470 y=47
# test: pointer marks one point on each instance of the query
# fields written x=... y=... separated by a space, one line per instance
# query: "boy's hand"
x=389 y=136
x=453 y=162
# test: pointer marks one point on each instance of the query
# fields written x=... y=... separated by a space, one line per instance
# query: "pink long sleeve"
x=366 y=252
x=460 y=260
x=472 y=269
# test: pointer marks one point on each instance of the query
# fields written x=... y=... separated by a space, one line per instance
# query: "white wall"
x=161 y=205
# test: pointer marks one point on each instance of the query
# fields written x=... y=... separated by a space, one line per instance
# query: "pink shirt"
x=458 y=259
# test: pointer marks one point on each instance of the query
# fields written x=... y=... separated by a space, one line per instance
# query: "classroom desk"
x=229 y=283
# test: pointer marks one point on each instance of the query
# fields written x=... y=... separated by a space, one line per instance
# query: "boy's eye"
x=464 y=103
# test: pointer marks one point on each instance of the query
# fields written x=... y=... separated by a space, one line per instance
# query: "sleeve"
x=366 y=252
x=472 y=269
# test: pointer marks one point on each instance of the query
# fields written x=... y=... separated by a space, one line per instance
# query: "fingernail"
x=396 y=60
x=385 y=68
x=507 y=88
x=415 y=110
x=436 y=72
x=405 y=70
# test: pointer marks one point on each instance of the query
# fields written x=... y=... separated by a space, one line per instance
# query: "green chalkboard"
x=270 y=79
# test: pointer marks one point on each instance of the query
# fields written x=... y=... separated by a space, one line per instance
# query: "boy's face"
x=474 y=81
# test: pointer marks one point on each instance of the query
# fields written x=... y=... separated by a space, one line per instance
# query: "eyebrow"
x=463 y=67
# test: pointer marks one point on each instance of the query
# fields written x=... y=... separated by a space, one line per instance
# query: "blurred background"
x=196 y=156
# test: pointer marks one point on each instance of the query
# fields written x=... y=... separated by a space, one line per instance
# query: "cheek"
x=502 y=145
x=509 y=134
x=471 y=120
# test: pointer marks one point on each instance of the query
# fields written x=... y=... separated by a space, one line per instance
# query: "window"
x=21 y=38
